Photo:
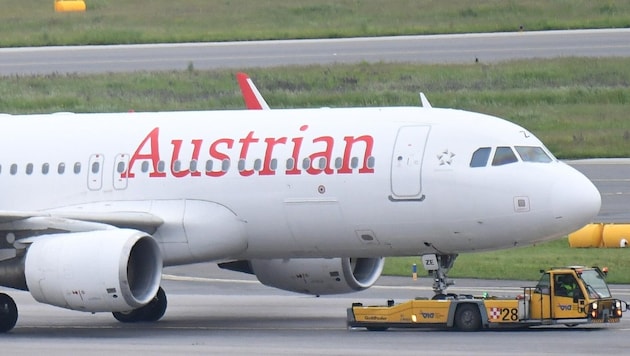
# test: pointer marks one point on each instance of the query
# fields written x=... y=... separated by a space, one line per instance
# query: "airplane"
x=93 y=206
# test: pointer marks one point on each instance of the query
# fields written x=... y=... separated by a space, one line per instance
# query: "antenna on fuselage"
x=424 y=101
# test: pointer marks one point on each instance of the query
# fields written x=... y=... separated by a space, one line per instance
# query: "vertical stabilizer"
x=251 y=95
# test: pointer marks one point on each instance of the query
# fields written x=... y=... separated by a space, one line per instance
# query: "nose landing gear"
x=438 y=266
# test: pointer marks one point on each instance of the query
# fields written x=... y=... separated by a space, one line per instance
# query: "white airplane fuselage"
x=296 y=183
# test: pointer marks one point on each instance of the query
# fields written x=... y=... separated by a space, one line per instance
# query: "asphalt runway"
x=218 y=312
x=457 y=48
x=612 y=179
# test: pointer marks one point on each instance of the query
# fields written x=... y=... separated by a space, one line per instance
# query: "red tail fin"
x=251 y=95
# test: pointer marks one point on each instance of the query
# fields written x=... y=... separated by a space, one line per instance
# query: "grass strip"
x=577 y=106
x=34 y=23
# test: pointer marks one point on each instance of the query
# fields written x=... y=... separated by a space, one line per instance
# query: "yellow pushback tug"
x=569 y=295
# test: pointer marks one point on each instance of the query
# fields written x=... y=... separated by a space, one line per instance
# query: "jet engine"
x=97 y=271
x=314 y=276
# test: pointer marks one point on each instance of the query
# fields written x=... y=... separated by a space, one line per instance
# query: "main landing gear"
x=148 y=313
x=438 y=266
x=8 y=313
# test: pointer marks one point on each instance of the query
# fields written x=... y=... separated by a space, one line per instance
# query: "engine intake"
x=318 y=276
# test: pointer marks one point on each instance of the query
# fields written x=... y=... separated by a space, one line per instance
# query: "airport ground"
x=220 y=313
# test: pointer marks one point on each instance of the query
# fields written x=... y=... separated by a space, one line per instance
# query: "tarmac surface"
x=452 y=48
x=220 y=312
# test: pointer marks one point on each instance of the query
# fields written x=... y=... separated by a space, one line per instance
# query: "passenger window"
x=225 y=165
x=503 y=155
x=61 y=168
x=354 y=162
x=290 y=164
x=322 y=163
x=45 y=168
x=306 y=163
x=193 y=165
x=29 y=169
x=533 y=154
x=77 y=168
x=338 y=162
x=13 y=169
x=209 y=165
x=144 y=167
x=480 y=157
x=371 y=162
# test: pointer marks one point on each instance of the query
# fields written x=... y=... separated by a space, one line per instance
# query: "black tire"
x=467 y=318
x=8 y=313
x=150 y=313
x=156 y=307
x=132 y=316
x=377 y=328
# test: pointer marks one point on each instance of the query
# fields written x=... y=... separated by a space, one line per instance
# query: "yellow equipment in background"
x=69 y=5
x=601 y=235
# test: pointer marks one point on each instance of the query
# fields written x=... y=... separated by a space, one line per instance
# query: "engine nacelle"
x=319 y=276
x=98 y=271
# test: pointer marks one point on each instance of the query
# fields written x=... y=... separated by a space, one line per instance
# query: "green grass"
x=578 y=113
x=524 y=263
x=34 y=23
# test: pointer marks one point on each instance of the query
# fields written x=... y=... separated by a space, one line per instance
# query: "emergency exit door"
x=406 y=173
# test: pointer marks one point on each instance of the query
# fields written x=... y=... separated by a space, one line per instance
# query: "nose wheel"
x=438 y=266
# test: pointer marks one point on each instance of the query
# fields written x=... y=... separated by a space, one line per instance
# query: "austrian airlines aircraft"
x=309 y=200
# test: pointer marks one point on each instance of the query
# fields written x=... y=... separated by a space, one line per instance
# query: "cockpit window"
x=533 y=154
x=503 y=155
x=480 y=157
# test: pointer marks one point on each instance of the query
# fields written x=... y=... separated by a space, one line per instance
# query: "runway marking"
x=172 y=277
x=382 y=287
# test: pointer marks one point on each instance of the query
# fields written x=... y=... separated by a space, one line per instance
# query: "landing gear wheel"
x=132 y=316
x=8 y=313
x=156 y=307
x=467 y=318
x=438 y=273
x=150 y=312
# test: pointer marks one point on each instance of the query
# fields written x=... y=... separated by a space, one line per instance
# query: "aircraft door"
x=95 y=172
x=406 y=173
x=120 y=166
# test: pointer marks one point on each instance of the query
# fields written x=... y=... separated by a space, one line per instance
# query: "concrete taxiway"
x=219 y=312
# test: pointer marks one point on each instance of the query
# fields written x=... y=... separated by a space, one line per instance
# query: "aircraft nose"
x=576 y=200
